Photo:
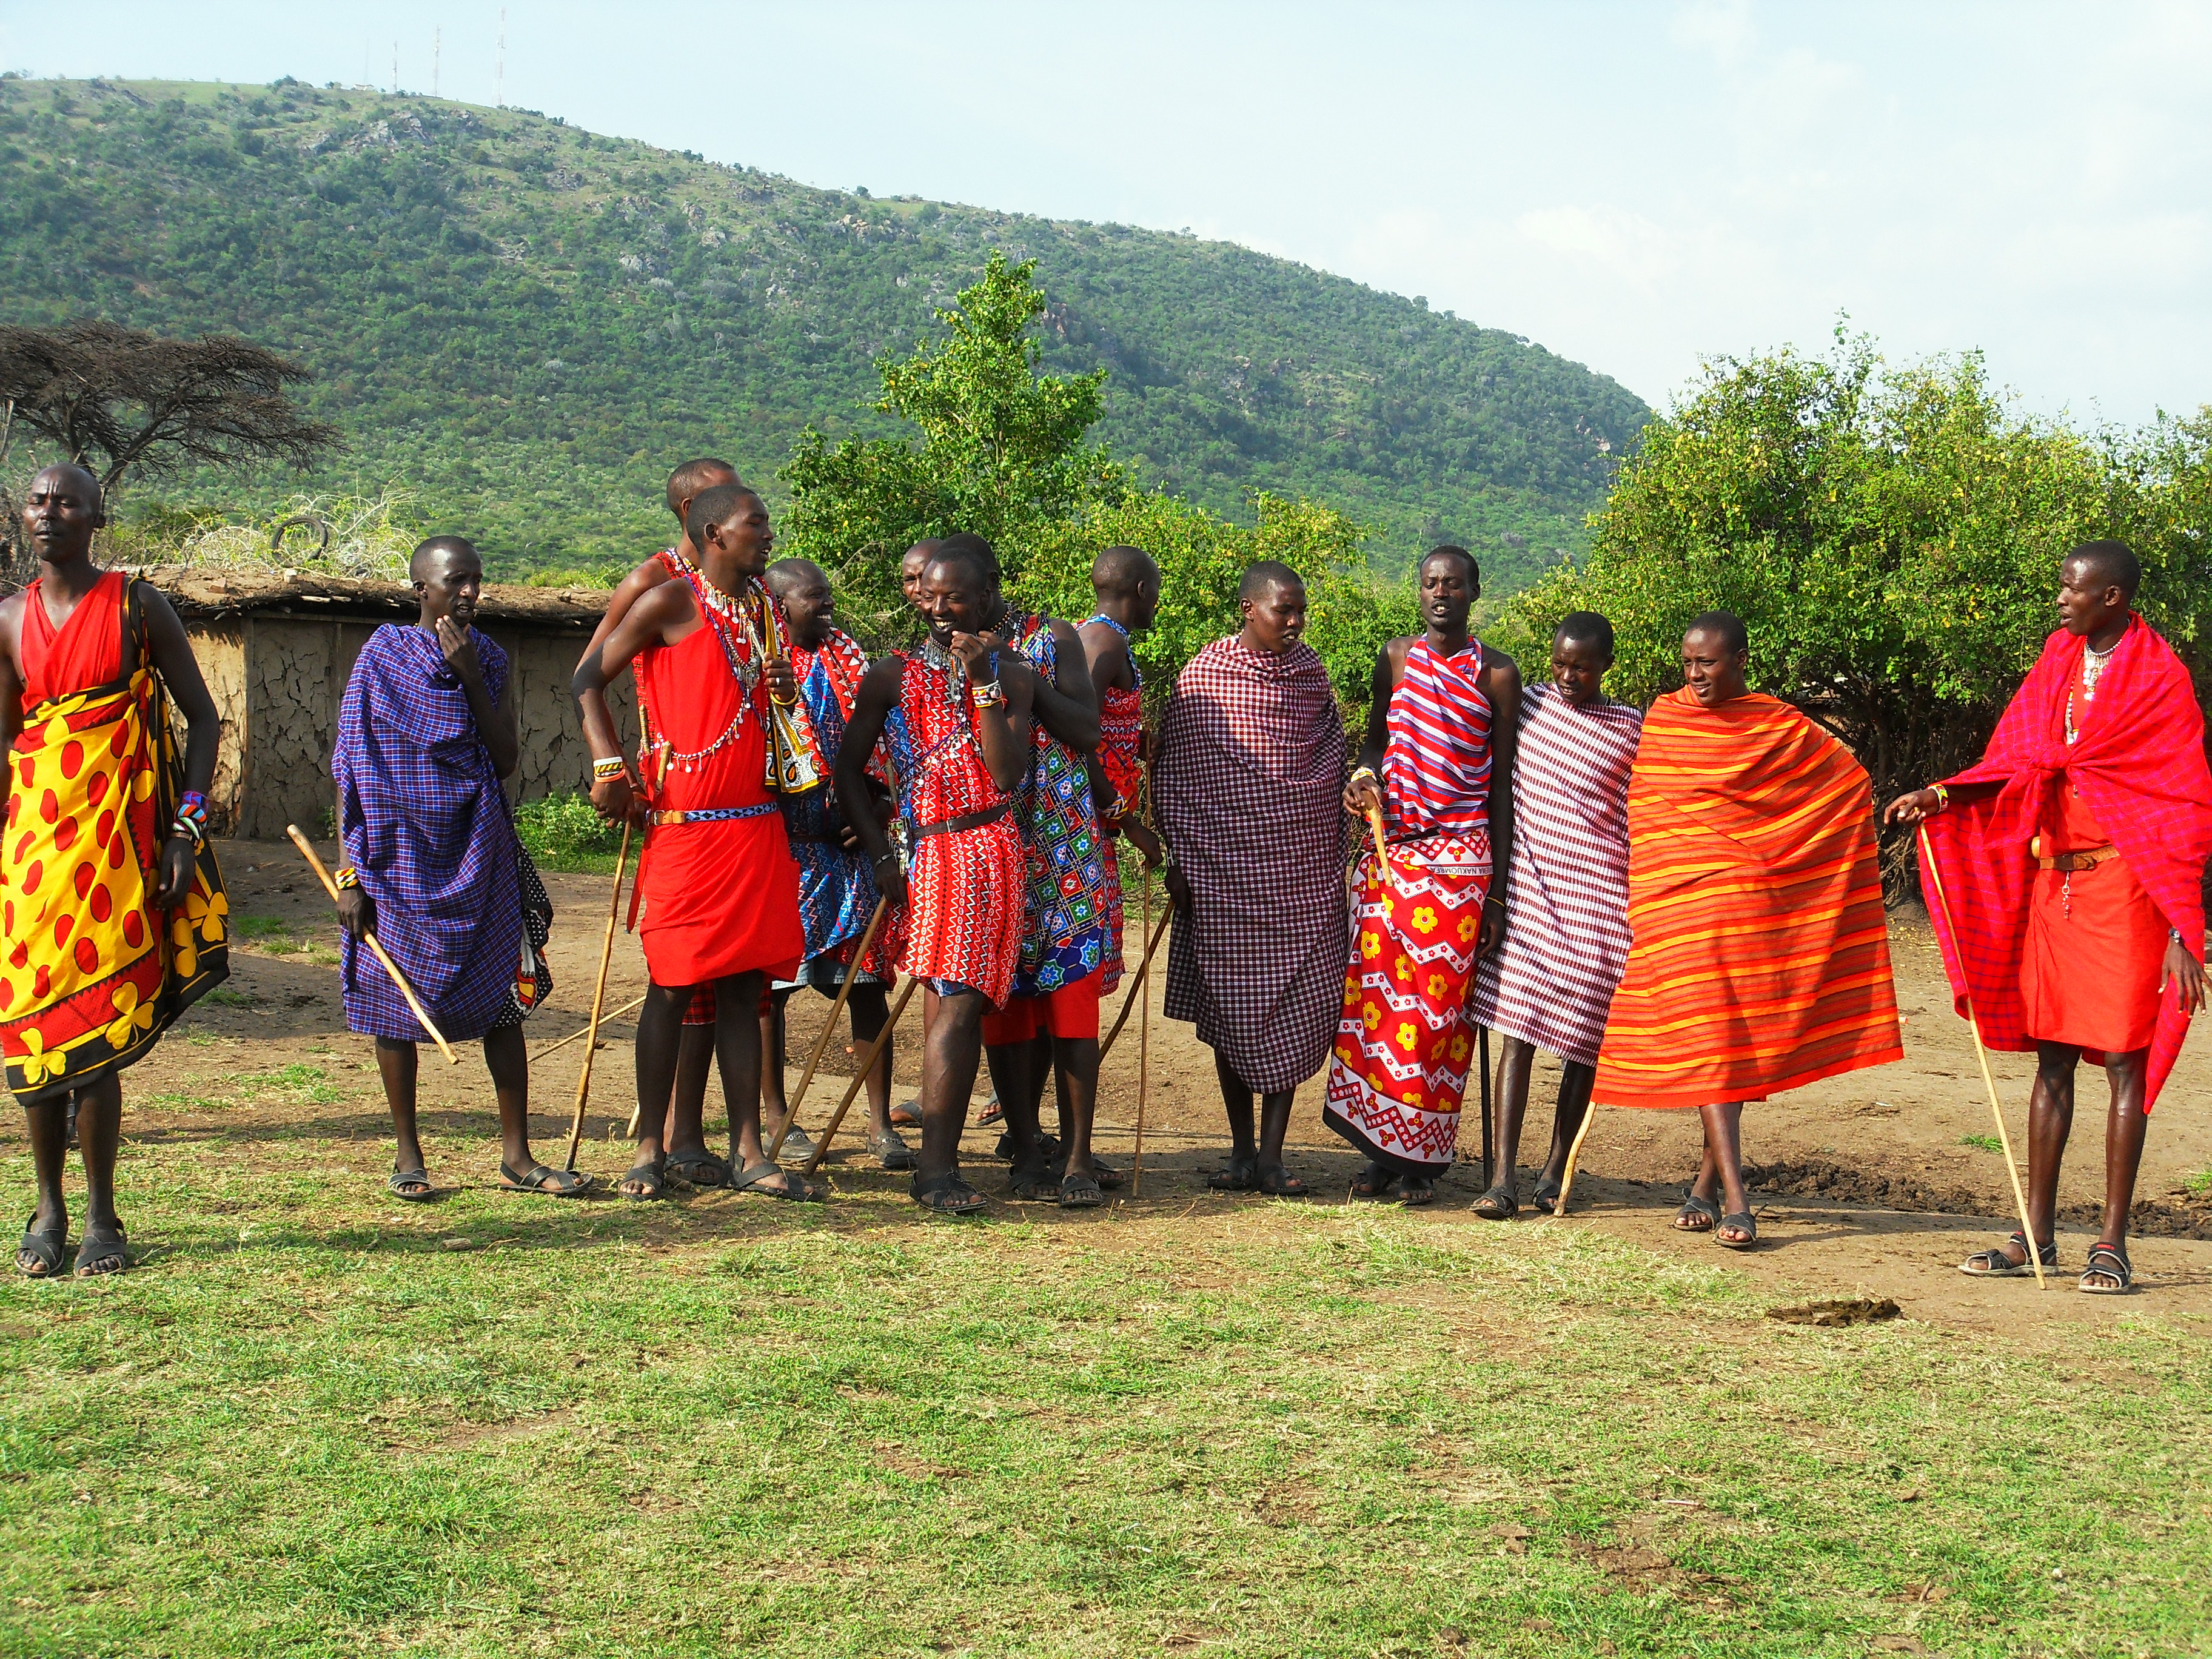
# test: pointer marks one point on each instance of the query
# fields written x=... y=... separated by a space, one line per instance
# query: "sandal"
x=1109 y=1177
x=1415 y=1190
x=1373 y=1181
x=947 y=1195
x=1034 y=1183
x=2105 y=1262
x=1080 y=1191
x=1697 y=1215
x=650 y=1179
x=991 y=1113
x=907 y=1114
x=39 y=1255
x=1740 y=1222
x=796 y=1141
x=1545 y=1199
x=1278 y=1182
x=1241 y=1177
x=543 y=1178
x=1998 y=1263
x=102 y=1250
x=777 y=1183
x=892 y=1153
x=696 y=1169
x=1498 y=1204
x=412 y=1185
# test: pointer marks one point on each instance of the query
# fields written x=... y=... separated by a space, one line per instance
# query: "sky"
x=1638 y=187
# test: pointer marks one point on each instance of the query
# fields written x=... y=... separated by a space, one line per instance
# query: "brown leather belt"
x=970 y=820
x=2070 y=862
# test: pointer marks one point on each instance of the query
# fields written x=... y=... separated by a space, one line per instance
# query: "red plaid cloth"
x=1250 y=786
x=2139 y=764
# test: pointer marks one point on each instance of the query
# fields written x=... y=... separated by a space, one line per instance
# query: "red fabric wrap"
x=2138 y=762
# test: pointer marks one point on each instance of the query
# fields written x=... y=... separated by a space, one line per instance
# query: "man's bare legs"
x=1254 y=1161
x=2050 y=1125
x=99 y=1111
x=660 y=1040
x=1721 y=1173
x=1019 y=1071
x=1510 y=1107
x=952 y=1048
x=737 y=1056
x=507 y=1058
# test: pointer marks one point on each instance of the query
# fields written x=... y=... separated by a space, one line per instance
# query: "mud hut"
x=276 y=650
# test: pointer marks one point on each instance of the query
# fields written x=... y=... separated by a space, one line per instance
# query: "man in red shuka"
x=2070 y=864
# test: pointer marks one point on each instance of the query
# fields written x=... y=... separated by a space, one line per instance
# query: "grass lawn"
x=316 y=1422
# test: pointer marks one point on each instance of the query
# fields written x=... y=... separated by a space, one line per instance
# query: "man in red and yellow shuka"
x=110 y=905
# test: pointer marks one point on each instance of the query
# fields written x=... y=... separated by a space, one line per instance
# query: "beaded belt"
x=716 y=814
x=971 y=821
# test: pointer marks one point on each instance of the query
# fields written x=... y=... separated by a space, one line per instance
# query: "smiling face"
x=741 y=543
x=1713 y=673
x=1448 y=586
x=1578 y=670
x=954 y=598
x=60 y=512
x=910 y=569
x=808 y=603
x=2088 y=599
x=449 y=581
x=1275 y=619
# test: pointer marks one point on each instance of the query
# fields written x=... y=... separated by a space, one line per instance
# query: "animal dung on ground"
x=1841 y=1311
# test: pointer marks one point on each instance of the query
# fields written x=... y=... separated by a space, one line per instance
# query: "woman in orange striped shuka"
x=1760 y=961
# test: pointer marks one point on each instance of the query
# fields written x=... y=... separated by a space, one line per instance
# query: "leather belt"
x=969 y=821
x=2088 y=858
x=716 y=814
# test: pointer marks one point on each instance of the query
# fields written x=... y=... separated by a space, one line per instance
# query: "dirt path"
x=1874 y=1183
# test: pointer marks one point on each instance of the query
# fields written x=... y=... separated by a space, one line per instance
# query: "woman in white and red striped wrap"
x=1248 y=786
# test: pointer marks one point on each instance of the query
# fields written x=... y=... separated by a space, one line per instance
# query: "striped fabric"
x=1760 y=960
x=1567 y=896
x=1436 y=773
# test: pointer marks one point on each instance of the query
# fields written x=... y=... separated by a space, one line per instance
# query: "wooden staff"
x=860 y=1076
x=555 y=1046
x=599 y=999
x=845 y=990
x=1382 y=852
x=1996 y=1110
x=1136 y=990
x=1143 y=1056
x=1574 y=1152
x=422 y=1014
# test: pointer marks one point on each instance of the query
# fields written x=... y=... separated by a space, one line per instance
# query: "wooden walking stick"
x=1382 y=852
x=559 y=1044
x=1144 y=1057
x=1489 y=1151
x=1574 y=1153
x=422 y=1014
x=1137 y=987
x=599 y=999
x=859 y=1077
x=845 y=990
x=1996 y=1110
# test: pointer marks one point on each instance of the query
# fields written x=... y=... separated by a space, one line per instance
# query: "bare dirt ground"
x=1871 y=1184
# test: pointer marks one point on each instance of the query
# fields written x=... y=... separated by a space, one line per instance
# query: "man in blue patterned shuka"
x=1050 y=1027
x=426 y=731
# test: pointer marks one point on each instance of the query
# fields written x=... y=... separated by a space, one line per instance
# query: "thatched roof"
x=202 y=594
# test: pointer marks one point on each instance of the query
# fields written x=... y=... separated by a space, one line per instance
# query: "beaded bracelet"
x=604 y=767
x=987 y=693
x=1942 y=797
x=191 y=822
x=347 y=878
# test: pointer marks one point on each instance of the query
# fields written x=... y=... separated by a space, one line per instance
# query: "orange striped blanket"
x=1760 y=960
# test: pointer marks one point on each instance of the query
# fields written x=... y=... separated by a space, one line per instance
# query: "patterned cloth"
x=426 y=827
x=1120 y=735
x=94 y=973
x=2138 y=764
x=1551 y=980
x=837 y=887
x=965 y=888
x=1436 y=772
x=1249 y=783
x=1761 y=954
x=1064 y=926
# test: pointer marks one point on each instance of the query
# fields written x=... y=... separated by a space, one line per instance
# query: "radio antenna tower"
x=395 y=67
x=437 y=45
x=499 y=73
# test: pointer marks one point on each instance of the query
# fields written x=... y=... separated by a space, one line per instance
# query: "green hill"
x=526 y=324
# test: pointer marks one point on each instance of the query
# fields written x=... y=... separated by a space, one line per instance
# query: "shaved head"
x=717 y=504
x=971 y=553
x=432 y=555
x=1268 y=573
x=1122 y=570
x=1724 y=625
x=785 y=574
x=1449 y=551
x=2109 y=564
x=688 y=479
x=81 y=481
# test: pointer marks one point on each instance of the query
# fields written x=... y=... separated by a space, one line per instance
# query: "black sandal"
x=1997 y=1263
x=699 y=1169
x=652 y=1178
x=1743 y=1222
x=777 y=1183
x=892 y=1151
x=1242 y=1175
x=1034 y=1183
x=2108 y=1261
x=1080 y=1191
x=1109 y=1177
x=1697 y=1215
x=947 y=1195
x=1498 y=1204
x=1415 y=1190
x=907 y=1114
x=544 y=1178
x=413 y=1186
x=1544 y=1200
x=1277 y=1182
x=102 y=1250
x=39 y=1255
x=1373 y=1181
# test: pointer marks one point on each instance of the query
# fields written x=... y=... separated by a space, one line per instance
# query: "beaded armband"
x=346 y=878
x=192 y=818
x=987 y=693
x=604 y=767
x=1942 y=797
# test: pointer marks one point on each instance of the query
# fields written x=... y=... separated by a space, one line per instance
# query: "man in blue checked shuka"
x=432 y=866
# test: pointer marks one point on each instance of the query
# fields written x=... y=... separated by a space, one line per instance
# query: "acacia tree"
x=1891 y=539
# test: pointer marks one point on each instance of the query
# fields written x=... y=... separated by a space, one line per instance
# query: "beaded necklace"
x=733 y=612
x=2094 y=663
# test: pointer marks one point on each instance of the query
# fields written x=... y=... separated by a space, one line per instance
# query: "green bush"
x=564 y=832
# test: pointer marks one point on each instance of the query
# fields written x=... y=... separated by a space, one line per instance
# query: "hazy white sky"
x=1636 y=186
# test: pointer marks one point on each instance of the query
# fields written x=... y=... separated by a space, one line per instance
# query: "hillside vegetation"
x=524 y=322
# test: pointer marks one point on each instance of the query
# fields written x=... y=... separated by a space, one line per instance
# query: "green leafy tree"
x=1890 y=538
x=1001 y=451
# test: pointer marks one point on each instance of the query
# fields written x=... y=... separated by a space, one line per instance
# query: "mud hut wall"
x=294 y=669
x=556 y=757
x=220 y=649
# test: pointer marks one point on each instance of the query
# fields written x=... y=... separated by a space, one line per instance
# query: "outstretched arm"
x=1501 y=683
x=1918 y=804
x=172 y=654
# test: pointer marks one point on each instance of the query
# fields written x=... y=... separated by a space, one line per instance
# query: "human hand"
x=615 y=799
x=975 y=651
x=1494 y=927
x=1179 y=893
x=176 y=878
x=460 y=650
x=1363 y=795
x=781 y=685
x=357 y=913
x=2185 y=973
x=891 y=881
x=1912 y=807
x=1141 y=837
